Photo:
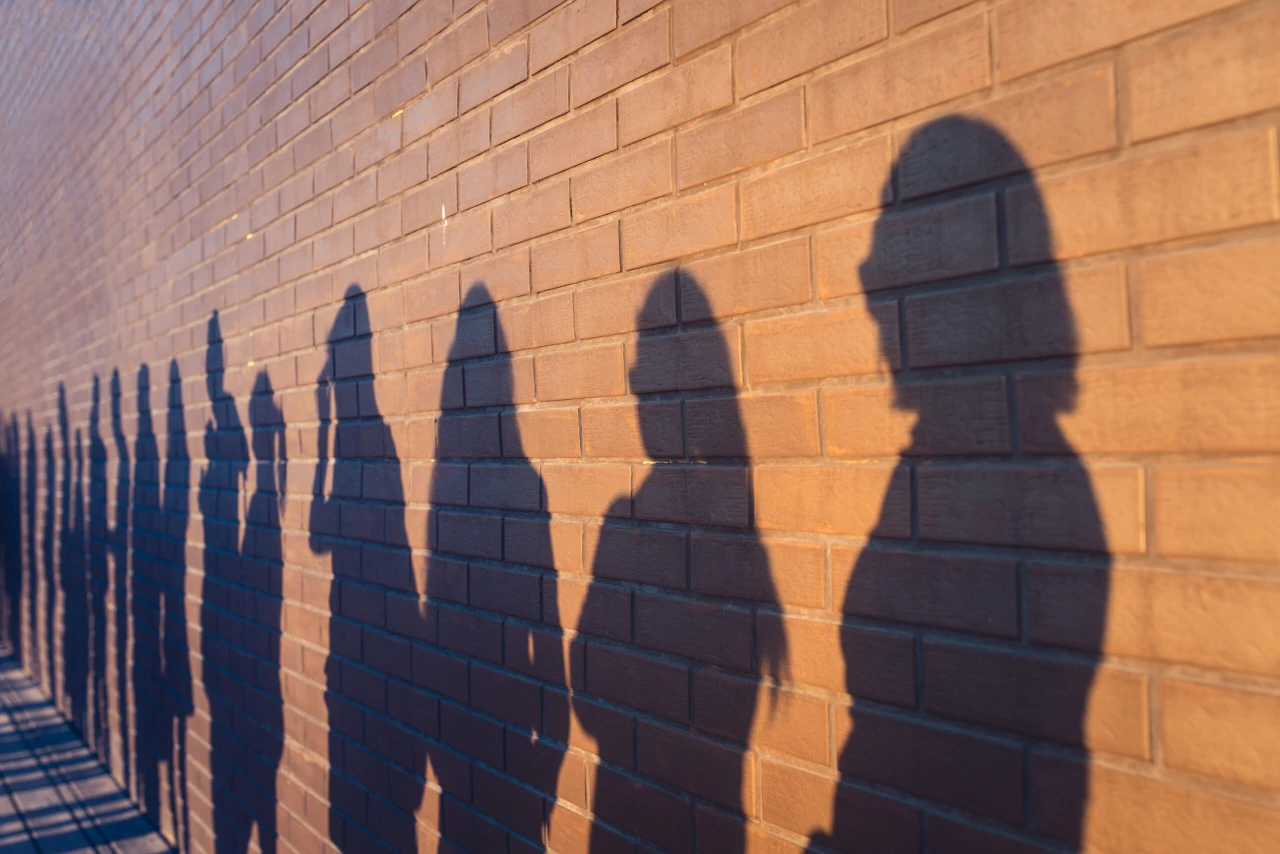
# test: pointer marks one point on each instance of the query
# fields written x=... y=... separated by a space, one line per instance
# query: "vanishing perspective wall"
x=651 y=425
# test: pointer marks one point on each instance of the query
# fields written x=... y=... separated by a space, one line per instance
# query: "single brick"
x=1221 y=732
x=1218 y=511
x=1221 y=293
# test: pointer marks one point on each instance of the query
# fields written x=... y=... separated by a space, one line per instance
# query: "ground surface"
x=54 y=796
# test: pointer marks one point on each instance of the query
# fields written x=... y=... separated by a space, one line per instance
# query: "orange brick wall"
x=651 y=425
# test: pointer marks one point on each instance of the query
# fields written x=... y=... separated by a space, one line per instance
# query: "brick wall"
x=651 y=425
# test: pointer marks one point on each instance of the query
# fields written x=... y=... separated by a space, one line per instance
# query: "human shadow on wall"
x=98 y=585
x=12 y=528
x=147 y=571
x=903 y=575
x=50 y=600
x=257 y=607
x=358 y=520
x=175 y=647
x=144 y=603
x=31 y=484
x=118 y=543
x=13 y=545
x=240 y=609
x=71 y=575
x=708 y=484
x=490 y=548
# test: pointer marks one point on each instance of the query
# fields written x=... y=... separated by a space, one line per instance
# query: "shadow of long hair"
x=932 y=554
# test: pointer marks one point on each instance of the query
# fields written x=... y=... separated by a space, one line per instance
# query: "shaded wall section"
x=650 y=425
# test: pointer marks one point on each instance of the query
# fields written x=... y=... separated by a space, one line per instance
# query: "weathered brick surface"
x=651 y=425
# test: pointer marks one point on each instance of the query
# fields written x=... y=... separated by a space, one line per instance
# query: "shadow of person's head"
x=352 y=319
x=214 y=358
x=698 y=359
x=974 y=306
x=176 y=418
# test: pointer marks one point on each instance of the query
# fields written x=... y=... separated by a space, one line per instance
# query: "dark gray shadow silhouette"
x=118 y=543
x=13 y=537
x=144 y=603
x=259 y=721
x=50 y=578
x=726 y=535
x=98 y=587
x=1050 y=705
x=501 y=571
x=229 y=656
x=65 y=700
x=175 y=662
x=359 y=521
x=71 y=572
x=34 y=664
x=75 y=643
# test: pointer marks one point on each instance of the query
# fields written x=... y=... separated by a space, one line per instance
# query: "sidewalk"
x=54 y=796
